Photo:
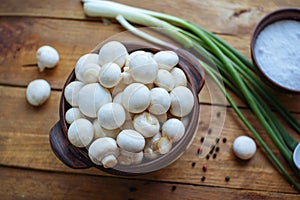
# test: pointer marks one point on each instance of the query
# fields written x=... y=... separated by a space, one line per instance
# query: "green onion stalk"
x=237 y=72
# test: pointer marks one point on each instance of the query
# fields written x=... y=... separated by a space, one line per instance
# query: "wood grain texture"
x=31 y=184
x=25 y=143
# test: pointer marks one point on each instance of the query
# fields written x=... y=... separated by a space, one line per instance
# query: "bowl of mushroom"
x=128 y=108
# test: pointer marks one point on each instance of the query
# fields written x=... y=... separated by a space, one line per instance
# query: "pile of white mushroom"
x=127 y=108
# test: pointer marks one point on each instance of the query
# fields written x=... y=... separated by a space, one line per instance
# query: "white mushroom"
x=179 y=77
x=111 y=116
x=136 y=98
x=110 y=75
x=72 y=91
x=146 y=124
x=244 y=147
x=164 y=80
x=114 y=52
x=81 y=132
x=99 y=131
x=166 y=59
x=90 y=58
x=131 y=140
x=91 y=97
x=173 y=129
x=149 y=151
x=118 y=99
x=163 y=145
x=88 y=73
x=72 y=114
x=47 y=57
x=104 y=151
x=37 y=92
x=182 y=101
x=130 y=158
x=160 y=101
x=142 y=68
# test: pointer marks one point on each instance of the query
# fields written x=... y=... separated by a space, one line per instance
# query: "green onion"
x=237 y=72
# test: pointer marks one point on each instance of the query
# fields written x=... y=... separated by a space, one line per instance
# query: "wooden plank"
x=30 y=184
x=23 y=36
x=24 y=142
x=223 y=16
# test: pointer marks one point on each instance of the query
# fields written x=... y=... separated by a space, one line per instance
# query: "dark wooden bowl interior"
x=78 y=157
x=277 y=15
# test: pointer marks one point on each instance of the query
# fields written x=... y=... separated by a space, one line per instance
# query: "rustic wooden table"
x=28 y=167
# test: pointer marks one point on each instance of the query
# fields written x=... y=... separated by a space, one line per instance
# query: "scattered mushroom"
x=136 y=98
x=37 y=92
x=110 y=75
x=81 y=132
x=47 y=57
x=114 y=52
x=91 y=97
x=166 y=59
x=244 y=147
x=72 y=114
x=111 y=116
x=173 y=129
x=130 y=140
x=164 y=80
x=104 y=151
x=146 y=124
x=160 y=101
x=72 y=91
x=182 y=101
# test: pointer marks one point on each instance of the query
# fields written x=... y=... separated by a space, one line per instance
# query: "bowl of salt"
x=275 y=49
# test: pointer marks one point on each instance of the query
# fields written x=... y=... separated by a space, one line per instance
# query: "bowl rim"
x=272 y=17
x=162 y=161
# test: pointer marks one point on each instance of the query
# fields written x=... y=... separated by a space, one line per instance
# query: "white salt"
x=277 y=51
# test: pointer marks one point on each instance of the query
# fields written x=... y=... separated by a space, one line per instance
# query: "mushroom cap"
x=111 y=116
x=166 y=59
x=244 y=147
x=130 y=158
x=99 y=131
x=142 y=68
x=91 y=97
x=72 y=114
x=179 y=77
x=160 y=101
x=173 y=129
x=90 y=58
x=110 y=75
x=89 y=73
x=104 y=151
x=113 y=51
x=146 y=124
x=163 y=145
x=136 y=98
x=182 y=101
x=72 y=91
x=164 y=80
x=47 y=57
x=37 y=92
x=81 y=132
x=130 y=140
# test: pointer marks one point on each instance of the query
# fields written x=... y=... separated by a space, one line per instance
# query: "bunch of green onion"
x=237 y=72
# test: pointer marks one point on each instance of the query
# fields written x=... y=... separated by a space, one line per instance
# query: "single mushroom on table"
x=37 y=92
x=47 y=57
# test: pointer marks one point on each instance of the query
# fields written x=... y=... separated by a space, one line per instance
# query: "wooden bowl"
x=77 y=158
x=275 y=16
